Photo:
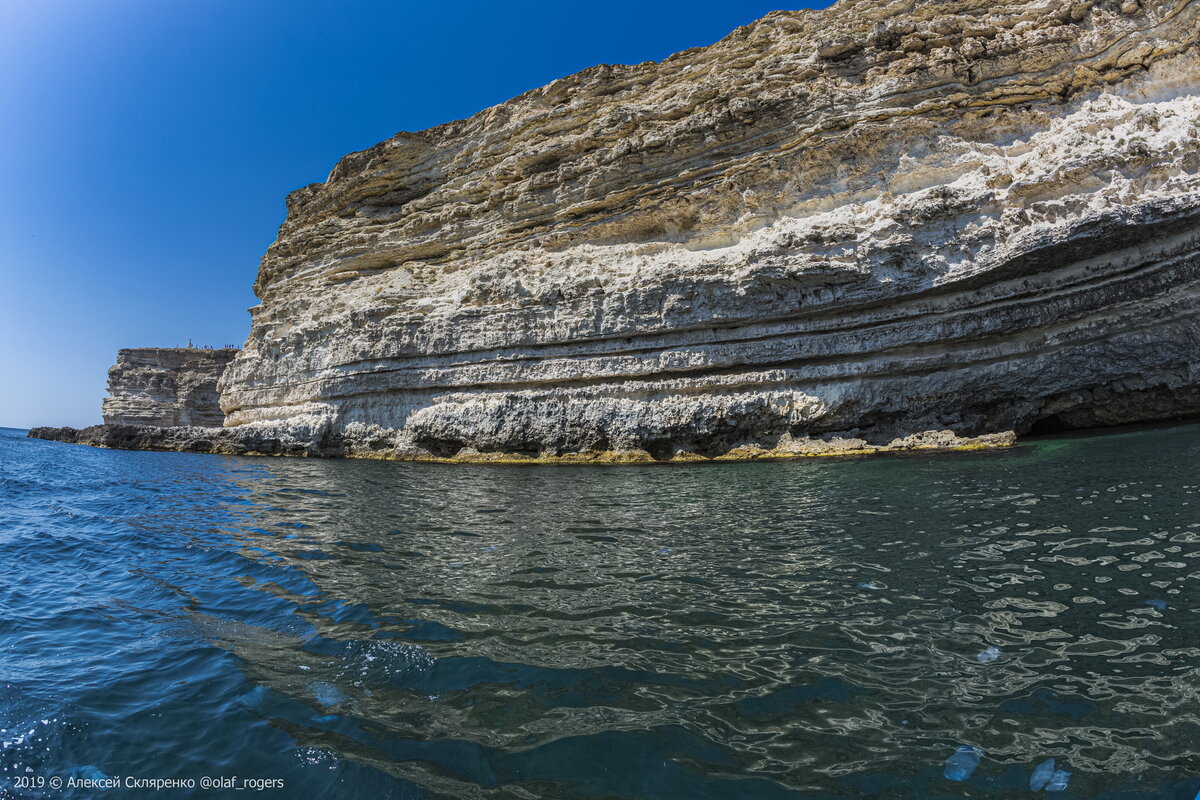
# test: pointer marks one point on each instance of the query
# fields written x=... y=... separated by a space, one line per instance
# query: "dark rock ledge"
x=254 y=441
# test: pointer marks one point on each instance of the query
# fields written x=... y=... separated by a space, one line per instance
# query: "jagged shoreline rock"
x=255 y=441
x=850 y=224
x=190 y=439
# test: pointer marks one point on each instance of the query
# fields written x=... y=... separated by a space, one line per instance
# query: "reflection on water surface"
x=819 y=629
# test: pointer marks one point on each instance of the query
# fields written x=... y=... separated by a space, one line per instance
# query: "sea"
x=182 y=625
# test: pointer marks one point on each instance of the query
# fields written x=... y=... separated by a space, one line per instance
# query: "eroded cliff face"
x=166 y=386
x=868 y=221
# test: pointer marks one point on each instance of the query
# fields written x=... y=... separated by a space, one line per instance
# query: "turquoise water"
x=813 y=629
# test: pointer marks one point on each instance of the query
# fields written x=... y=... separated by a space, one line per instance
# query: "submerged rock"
x=962 y=763
x=327 y=695
x=1058 y=781
x=1041 y=775
x=989 y=654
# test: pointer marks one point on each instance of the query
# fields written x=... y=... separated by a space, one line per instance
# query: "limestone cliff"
x=849 y=225
x=871 y=220
x=166 y=386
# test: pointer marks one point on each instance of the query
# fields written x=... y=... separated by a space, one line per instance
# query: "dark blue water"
x=787 y=630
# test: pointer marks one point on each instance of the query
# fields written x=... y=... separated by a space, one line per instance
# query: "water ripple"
x=804 y=630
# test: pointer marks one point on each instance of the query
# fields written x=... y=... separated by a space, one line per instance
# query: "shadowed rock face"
x=263 y=440
x=868 y=221
x=166 y=386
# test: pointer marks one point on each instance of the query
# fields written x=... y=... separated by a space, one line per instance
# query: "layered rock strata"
x=850 y=224
x=166 y=386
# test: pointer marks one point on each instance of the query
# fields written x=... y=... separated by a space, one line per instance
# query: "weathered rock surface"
x=247 y=440
x=52 y=434
x=166 y=386
x=860 y=223
x=834 y=226
x=273 y=441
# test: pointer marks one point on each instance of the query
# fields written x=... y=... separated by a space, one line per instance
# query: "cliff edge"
x=166 y=386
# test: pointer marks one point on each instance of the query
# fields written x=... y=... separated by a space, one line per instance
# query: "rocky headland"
x=166 y=387
x=831 y=231
x=154 y=394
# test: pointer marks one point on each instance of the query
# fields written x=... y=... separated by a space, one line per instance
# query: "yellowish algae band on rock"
x=852 y=224
x=941 y=441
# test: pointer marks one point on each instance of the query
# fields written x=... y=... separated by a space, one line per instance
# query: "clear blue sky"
x=146 y=146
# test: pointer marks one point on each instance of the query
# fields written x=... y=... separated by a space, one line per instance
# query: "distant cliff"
x=851 y=225
x=166 y=387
